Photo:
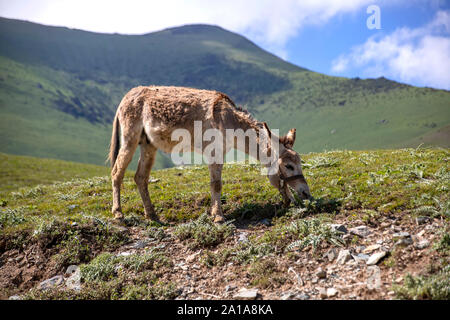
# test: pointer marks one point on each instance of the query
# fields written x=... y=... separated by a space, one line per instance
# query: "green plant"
x=265 y=274
x=204 y=232
x=435 y=287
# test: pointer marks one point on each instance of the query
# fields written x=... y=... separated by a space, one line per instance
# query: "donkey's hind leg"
x=124 y=158
x=215 y=172
x=146 y=160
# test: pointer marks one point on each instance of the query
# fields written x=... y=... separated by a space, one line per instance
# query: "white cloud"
x=420 y=55
x=268 y=22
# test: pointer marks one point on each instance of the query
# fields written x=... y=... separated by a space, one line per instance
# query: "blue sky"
x=328 y=36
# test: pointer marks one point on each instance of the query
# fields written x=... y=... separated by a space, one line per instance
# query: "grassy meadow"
x=71 y=218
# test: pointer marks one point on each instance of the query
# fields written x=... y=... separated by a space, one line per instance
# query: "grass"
x=72 y=218
x=21 y=171
x=182 y=194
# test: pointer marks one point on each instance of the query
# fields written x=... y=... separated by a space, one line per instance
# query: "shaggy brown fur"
x=147 y=116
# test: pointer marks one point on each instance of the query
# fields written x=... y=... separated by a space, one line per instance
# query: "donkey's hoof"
x=118 y=216
x=153 y=216
x=219 y=219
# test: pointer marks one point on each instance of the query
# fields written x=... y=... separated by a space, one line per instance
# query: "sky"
x=404 y=40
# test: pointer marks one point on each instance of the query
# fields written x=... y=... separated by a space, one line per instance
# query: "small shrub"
x=301 y=234
x=250 y=252
x=156 y=233
x=443 y=245
x=434 y=287
x=102 y=268
x=73 y=250
x=442 y=209
x=11 y=217
x=106 y=266
x=265 y=274
x=204 y=232
x=157 y=291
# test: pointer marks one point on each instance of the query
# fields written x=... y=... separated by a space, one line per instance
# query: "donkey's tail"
x=115 y=142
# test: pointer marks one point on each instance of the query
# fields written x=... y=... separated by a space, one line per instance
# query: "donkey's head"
x=287 y=168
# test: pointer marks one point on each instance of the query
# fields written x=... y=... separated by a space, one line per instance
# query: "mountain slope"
x=59 y=89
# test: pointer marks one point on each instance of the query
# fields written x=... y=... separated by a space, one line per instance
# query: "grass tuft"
x=203 y=232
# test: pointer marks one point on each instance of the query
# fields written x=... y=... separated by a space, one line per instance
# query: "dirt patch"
x=298 y=274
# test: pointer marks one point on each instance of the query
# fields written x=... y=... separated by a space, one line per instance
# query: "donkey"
x=147 y=116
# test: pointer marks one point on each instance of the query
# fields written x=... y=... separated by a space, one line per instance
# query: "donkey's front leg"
x=215 y=172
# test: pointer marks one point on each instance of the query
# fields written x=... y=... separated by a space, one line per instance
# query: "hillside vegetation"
x=392 y=203
x=59 y=89
x=21 y=171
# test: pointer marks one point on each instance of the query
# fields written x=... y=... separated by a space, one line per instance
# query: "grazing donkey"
x=148 y=115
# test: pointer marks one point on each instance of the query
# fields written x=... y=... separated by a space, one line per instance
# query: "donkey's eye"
x=289 y=167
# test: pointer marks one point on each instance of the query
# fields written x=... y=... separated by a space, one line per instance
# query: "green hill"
x=59 y=89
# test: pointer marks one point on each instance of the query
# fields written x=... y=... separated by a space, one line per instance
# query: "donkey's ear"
x=289 y=139
x=269 y=133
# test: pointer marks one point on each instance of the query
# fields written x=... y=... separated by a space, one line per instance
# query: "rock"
x=373 y=278
x=422 y=244
x=375 y=258
x=72 y=206
x=246 y=294
x=331 y=254
x=322 y=293
x=385 y=224
x=302 y=296
x=182 y=266
x=229 y=287
x=74 y=281
x=360 y=231
x=52 y=282
x=297 y=276
x=266 y=222
x=361 y=257
x=371 y=248
x=191 y=258
x=15 y=297
x=404 y=242
x=153 y=180
x=140 y=244
x=71 y=269
x=422 y=220
x=320 y=273
x=287 y=296
x=124 y=254
x=343 y=256
x=243 y=237
x=74 y=224
x=401 y=235
x=339 y=227
x=421 y=233
x=331 y=292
